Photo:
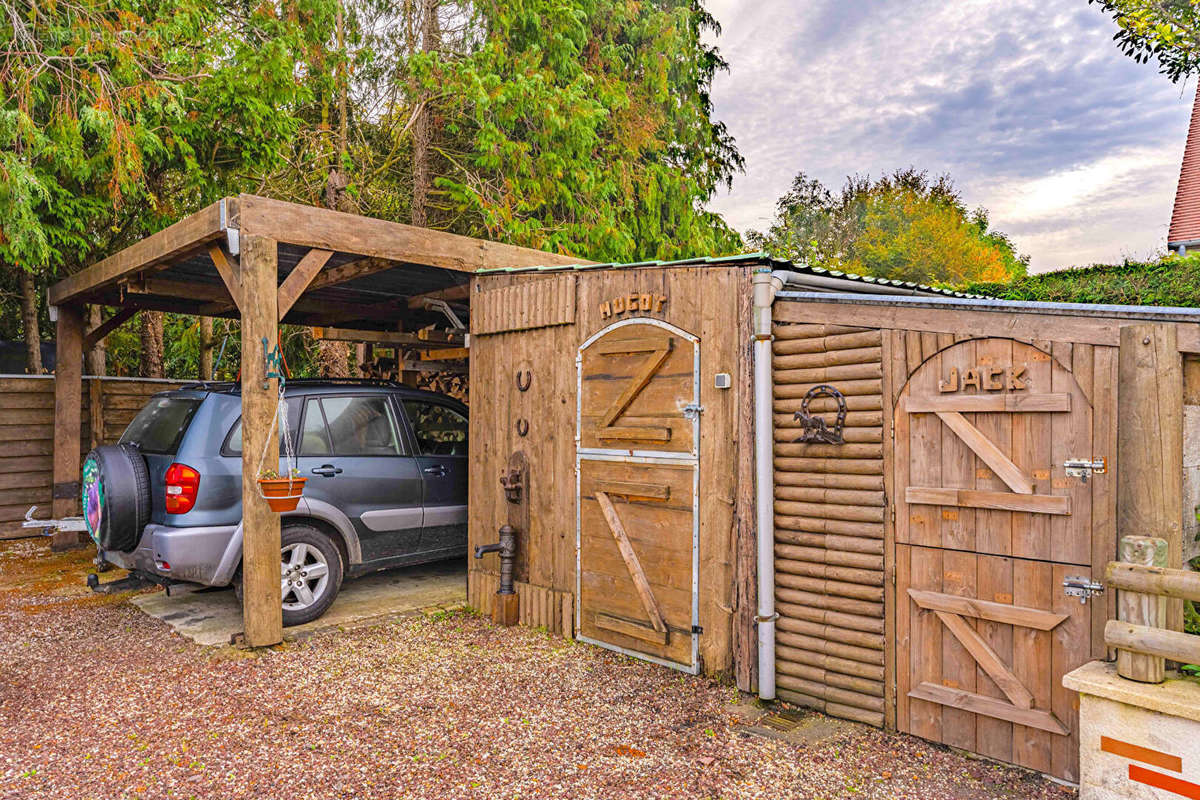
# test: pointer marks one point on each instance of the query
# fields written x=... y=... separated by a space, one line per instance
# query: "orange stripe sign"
x=1157 y=758
x=1144 y=754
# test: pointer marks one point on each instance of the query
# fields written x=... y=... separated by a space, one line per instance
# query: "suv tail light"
x=182 y=484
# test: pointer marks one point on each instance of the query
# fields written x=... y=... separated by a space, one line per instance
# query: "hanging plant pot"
x=281 y=494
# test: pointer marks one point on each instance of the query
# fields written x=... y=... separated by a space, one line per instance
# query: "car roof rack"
x=229 y=386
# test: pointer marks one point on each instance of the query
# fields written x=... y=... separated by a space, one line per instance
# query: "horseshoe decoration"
x=522 y=427
x=815 y=429
x=524 y=379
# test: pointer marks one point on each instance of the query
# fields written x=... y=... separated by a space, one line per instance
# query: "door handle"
x=328 y=470
x=437 y=471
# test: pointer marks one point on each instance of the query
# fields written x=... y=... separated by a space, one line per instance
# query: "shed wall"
x=712 y=303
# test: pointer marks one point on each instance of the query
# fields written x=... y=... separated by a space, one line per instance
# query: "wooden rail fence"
x=27 y=434
x=1140 y=632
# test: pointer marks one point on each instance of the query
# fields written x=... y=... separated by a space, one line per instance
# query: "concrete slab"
x=211 y=617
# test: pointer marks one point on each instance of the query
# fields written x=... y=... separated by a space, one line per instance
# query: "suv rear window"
x=159 y=427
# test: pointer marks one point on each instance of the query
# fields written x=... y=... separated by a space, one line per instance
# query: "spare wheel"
x=116 y=496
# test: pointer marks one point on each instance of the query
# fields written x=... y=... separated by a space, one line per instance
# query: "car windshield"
x=159 y=427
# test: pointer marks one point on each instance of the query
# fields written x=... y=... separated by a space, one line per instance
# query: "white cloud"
x=1073 y=147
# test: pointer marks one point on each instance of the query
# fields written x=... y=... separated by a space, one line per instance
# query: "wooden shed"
x=881 y=500
x=918 y=544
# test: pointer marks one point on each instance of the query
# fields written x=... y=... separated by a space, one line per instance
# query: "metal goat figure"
x=815 y=429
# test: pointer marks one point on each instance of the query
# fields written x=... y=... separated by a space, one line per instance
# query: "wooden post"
x=1150 y=442
x=68 y=401
x=95 y=412
x=262 y=608
x=1142 y=609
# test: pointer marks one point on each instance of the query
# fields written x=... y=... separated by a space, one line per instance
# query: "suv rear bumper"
x=197 y=555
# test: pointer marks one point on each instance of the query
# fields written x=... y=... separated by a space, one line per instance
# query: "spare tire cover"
x=116 y=496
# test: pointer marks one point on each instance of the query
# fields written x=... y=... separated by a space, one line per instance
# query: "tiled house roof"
x=1185 y=219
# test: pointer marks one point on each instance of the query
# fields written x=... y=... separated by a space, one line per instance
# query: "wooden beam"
x=230 y=272
x=461 y=292
x=97 y=334
x=996 y=501
x=985 y=403
x=170 y=242
x=300 y=278
x=261 y=597
x=990 y=707
x=309 y=226
x=988 y=659
x=640 y=582
x=351 y=271
x=972 y=322
x=987 y=451
x=387 y=338
x=1150 y=443
x=986 y=609
x=1163 y=581
x=68 y=400
x=1173 y=645
x=448 y=354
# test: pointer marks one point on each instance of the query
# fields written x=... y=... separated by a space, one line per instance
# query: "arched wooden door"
x=637 y=468
x=988 y=525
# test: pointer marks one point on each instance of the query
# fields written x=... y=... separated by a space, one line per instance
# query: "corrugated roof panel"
x=748 y=259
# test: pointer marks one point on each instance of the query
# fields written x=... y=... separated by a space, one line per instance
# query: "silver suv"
x=387 y=486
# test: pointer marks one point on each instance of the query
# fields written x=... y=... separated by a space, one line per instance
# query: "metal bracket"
x=1083 y=588
x=693 y=410
x=272 y=363
x=697 y=629
x=432 y=303
x=1082 y=467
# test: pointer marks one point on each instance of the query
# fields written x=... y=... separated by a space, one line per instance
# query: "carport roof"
x=355 y=271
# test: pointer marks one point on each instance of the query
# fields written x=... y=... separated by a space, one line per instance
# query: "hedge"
x=1173 y=281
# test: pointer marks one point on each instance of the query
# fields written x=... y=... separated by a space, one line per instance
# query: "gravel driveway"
x=98 y=700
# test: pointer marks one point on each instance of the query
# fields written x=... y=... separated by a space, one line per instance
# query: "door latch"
x=1083 y=588
x=693 y=410
x=1082 y=467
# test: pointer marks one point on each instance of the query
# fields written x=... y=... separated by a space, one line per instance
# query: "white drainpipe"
x=765 y=284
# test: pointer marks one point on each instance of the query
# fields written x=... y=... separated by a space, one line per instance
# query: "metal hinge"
x=1081 y=587
x=1082 y=467
x=693 y=410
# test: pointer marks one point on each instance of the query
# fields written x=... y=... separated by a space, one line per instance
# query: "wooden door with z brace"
x=637 y=472
x=988 y=526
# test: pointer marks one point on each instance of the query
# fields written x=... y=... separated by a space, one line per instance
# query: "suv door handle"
x=328 y=470
x=437 y=471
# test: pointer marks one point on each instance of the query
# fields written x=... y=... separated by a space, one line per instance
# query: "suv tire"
x=308 y=590
x=116 y=496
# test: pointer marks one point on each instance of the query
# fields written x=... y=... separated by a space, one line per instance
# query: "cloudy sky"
x=1028 y=104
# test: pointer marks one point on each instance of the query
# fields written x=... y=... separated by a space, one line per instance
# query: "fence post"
x=1150 y=442
x=1142 y=609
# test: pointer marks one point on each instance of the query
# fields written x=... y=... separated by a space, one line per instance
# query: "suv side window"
x=314 y=438
x=233 y=440
x=362 y=426
x=439 y=430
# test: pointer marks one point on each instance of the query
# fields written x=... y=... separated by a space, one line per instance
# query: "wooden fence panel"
x=27 y=435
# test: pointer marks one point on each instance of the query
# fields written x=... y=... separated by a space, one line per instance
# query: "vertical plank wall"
x=709 y=302
x=829 y=524
x=27 y=434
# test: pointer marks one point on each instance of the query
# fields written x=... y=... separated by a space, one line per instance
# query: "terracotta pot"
x=281 y=494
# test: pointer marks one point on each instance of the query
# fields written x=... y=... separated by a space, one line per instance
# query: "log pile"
x=829 y=523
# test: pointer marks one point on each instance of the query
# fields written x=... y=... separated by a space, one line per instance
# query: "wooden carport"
x=266 y=261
